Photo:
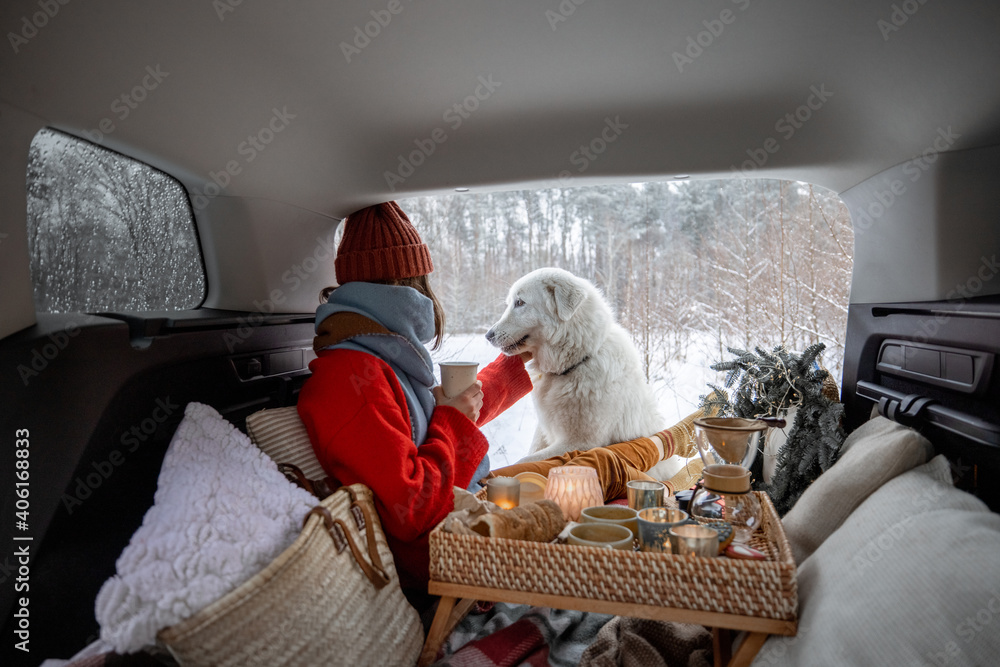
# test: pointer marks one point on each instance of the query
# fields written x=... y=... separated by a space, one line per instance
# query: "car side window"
x=107 y=233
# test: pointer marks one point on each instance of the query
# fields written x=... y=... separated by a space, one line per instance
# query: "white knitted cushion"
x=280 y=434
x=222 y=512
x=875 y=453
x=912 y=577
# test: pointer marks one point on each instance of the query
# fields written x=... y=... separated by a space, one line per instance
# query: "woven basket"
x=313 y=605
x=765 y=589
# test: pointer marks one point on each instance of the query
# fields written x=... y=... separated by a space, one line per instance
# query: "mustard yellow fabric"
x=623 y=462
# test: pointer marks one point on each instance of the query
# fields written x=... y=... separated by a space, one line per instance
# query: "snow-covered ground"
x=510 y=434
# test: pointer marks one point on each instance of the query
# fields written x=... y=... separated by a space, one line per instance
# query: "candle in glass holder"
x=505 y=492
x=573 y=488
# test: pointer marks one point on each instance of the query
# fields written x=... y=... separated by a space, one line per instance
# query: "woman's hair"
x=419 y=283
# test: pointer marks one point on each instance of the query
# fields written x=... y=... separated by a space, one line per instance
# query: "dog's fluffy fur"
x=592 y=391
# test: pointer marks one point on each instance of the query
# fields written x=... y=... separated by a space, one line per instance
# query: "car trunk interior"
x=153 y=365
x=115 y=428
x=909 y=138
x=971 y=440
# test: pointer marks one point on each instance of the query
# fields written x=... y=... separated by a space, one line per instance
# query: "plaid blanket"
x=510 y=635
x=637 y=642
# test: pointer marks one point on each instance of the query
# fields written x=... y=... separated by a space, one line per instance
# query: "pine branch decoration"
x=767 y=384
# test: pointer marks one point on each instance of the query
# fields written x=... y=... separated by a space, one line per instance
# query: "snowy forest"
x=722 y=262
x=685 y=264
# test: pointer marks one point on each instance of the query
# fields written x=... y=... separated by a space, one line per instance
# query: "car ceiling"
x=894 y=74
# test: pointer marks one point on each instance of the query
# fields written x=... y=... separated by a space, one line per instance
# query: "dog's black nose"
x=490 y=335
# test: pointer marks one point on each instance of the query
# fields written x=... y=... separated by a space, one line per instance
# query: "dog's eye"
x=518 y=303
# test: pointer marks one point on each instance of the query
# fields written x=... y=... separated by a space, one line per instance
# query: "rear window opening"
x=690 y=268
x=107 y=233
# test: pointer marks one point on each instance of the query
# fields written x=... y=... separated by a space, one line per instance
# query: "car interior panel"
x=904 y=105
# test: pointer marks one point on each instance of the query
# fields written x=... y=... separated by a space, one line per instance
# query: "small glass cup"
x=573 y=488
x=643 y=494
x=695 y=540
x=504 y=492
x=654 y=528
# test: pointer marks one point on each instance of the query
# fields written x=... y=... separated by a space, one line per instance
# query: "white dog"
x=592 y=391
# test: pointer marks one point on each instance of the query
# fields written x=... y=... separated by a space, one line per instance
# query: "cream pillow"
x=875 y=453
x=911 y=577
x=281 y=435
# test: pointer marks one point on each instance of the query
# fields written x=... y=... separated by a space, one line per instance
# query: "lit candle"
x=505 y=492
x=573 y=488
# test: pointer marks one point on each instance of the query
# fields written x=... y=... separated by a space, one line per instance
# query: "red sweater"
x=355 y=411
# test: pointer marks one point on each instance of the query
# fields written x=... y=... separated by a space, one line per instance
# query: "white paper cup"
x=457 y=376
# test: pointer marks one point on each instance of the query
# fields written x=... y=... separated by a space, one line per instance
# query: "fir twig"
x=765 y=383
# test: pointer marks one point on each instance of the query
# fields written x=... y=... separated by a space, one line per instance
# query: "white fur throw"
x=221 y=513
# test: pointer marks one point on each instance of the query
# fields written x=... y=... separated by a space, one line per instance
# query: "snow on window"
x=107 y=233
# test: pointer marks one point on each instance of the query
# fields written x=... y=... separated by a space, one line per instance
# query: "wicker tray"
x=765 y=589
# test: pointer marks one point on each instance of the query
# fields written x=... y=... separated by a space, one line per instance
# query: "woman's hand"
x=469 y=402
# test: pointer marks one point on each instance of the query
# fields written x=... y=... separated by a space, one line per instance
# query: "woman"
x=371 y=408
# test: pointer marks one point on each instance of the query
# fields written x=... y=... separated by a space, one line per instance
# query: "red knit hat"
x=380 y=243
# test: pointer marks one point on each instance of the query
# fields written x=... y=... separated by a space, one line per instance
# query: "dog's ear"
x=566 y=298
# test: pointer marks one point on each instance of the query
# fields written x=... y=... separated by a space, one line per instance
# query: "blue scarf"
x=409 y=315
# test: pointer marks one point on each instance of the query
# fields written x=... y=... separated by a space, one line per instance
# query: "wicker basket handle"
x=321 y=488
x=369 y=531
x=376 y=574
